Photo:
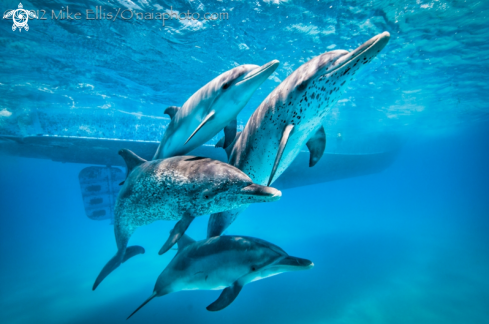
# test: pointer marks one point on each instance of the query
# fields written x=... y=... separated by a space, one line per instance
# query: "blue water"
x=406 y=245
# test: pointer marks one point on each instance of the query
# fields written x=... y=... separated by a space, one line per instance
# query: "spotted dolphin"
x=213 y=108
x=292 y=116
x=223 y=262
x=179 y=188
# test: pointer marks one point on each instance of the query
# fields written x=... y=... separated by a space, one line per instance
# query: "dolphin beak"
x=291 y=263
x=366 y=52
x=260 y=74
x=256 y=193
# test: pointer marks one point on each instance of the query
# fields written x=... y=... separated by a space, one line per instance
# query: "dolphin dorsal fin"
x=316 y=145
x=171 y=111
x=229 y=148
x=184 y=241
x=281 y=148
x=131 y=159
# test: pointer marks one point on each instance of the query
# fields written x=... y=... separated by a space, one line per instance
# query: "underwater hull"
x=94 y=151
x=100 y=184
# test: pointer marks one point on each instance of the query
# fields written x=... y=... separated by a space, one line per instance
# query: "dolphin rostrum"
x=214 y=107
x=291 y=117
x=179 y=188
x=223 y=262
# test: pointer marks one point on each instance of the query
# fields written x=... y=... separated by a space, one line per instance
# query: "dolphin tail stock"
x=206 y=119
x=219 y=222
x=227 y=296
x=122 y=256
x=230 y=146
x=176 y=233
x=283 y=142
x=316 y=145
x=153 y=295
x=132 y=161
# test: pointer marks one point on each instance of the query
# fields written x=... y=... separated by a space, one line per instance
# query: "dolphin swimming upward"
x=214 y=107
x=178 y=188
x=292 y=116
x=223 y=262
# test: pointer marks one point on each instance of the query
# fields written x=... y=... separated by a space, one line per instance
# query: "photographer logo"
x=20 y=17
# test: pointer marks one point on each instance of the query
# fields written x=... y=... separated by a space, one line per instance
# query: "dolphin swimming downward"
x=214 y=107
x=291 y=116
x=223 y=262
x=178 y=188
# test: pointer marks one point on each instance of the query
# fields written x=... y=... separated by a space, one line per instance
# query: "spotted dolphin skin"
x=179 y=188
x=292 y=116
x=223 y=262
x=213 y=108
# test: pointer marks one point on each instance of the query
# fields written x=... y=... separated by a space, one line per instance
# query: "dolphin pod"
x=291 y=117
x=214 y=107
x=228 y=262
x=173 y=187
x=179 y=188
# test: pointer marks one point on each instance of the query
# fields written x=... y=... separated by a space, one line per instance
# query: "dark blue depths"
x=406 y=245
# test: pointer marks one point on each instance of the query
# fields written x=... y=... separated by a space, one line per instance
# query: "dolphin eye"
x=253 y=268
x=226 y=85
x=206 y=197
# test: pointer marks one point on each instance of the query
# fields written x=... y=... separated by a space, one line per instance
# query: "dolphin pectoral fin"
x=113 y=264
x=230 y=133
x=281 y=148
x=227 y=296
x=176 y=233
x=153 y=295
x=171 y=111
x=206 y=119
x=316 y=145
x=219 y=222
x=132 y=251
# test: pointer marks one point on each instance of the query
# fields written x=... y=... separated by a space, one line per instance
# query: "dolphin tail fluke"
x=316 y=145
x=228 y=148
x=176 y=233
x=219 y=222
x=206 y=119
x=153 y=295
x=132 y=251
x=113 y=264
x=122 y=256
x=230 y=133
x=227 y=296
x=281 y=148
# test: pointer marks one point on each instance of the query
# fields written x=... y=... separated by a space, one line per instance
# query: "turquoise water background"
x=407 y=245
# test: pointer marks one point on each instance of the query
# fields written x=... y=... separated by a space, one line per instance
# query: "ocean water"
x=409 y=244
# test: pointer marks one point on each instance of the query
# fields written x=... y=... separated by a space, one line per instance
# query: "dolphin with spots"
x=223 y=262
x=292 y=116
x=178 y=188
x=213 y=108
